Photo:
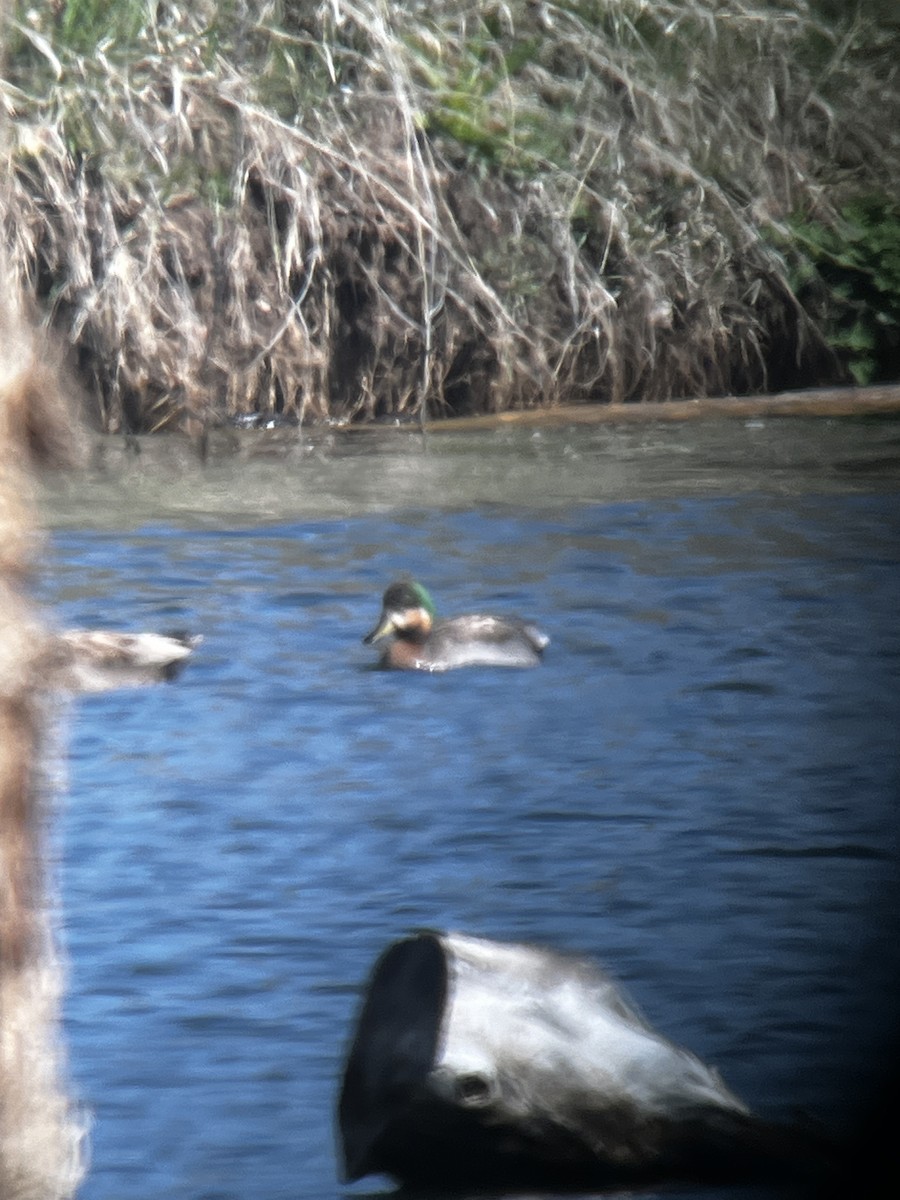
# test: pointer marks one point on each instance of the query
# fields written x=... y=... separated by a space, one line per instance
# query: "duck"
x=422 y=641
x=102 y=660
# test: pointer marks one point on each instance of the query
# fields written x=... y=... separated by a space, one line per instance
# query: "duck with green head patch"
x=422 y=641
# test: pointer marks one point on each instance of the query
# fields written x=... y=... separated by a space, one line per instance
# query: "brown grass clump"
x=40 y=1138
x=361 y=209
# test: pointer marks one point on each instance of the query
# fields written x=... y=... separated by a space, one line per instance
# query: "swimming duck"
x=424 y=642
x=100 y=660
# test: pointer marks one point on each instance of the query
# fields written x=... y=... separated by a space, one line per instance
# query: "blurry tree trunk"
x=40 y=1138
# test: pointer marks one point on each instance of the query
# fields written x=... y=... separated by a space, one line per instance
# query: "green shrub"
x=849 y=276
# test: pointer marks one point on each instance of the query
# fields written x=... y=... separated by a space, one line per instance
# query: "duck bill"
x=382 y=629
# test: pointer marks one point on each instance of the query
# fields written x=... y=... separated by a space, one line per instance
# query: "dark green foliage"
x=82 y=25
x=466 y=100
x=850 y=272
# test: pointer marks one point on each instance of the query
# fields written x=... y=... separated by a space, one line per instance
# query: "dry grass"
x=375 y=209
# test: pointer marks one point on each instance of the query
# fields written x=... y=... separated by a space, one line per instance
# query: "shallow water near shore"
x=239 y=477
x=697 y=789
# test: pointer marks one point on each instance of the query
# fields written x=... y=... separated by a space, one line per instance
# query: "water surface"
x=698 y=788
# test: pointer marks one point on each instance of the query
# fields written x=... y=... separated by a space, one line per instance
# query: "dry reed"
x=368 y=209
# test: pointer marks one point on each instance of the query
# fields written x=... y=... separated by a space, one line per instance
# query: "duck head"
x=407 y=611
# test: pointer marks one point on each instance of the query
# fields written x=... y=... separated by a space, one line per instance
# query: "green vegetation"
x=368 y=208
x=850 y=272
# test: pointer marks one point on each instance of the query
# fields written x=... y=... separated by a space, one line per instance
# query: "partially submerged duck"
x=100 y=660
x=422 y=641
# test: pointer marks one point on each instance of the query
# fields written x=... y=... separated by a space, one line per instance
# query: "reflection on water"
x=697 y=789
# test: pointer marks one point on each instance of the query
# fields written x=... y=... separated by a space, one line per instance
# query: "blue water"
x=698 y=789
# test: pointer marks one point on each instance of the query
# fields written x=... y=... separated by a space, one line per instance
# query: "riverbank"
x=381 y=211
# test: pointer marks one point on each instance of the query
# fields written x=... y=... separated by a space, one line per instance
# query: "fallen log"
x=481 y=1064
x=882 y=400
x=878 y=400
